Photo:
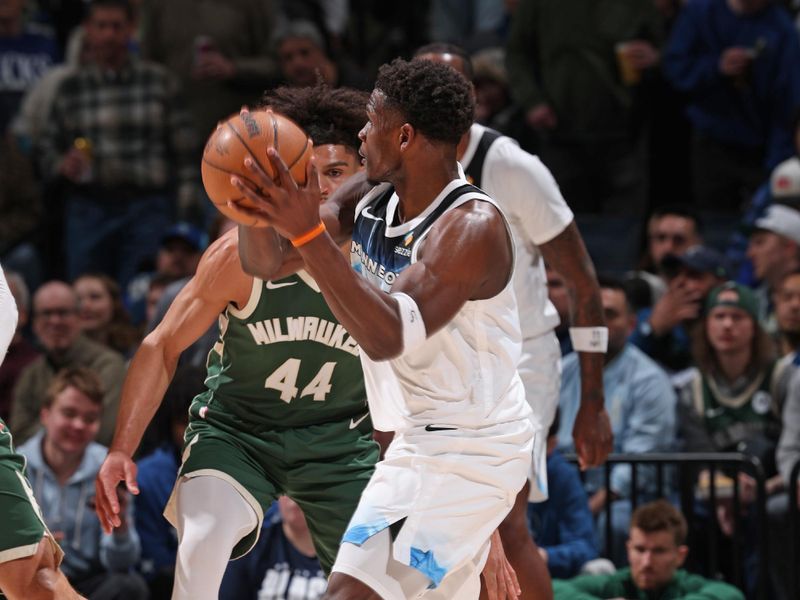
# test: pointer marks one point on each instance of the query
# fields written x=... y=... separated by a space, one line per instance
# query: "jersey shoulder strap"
x=475 y=169
x=450 y=200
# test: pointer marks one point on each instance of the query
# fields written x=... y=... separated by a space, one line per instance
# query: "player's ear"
x=406 y=135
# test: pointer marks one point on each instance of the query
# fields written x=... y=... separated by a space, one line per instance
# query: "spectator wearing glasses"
x=57 y=328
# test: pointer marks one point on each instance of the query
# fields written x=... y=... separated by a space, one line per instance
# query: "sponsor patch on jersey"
x=761 y=402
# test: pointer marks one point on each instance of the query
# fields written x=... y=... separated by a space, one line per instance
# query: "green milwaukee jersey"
x=283 y=360
x=8 y=455
x=730 y=418
x=24 y=526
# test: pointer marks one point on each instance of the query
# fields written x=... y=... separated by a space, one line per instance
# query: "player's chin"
x=374 y=178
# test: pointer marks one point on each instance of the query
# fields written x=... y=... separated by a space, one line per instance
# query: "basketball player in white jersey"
x=435 y=313
x=543 y=226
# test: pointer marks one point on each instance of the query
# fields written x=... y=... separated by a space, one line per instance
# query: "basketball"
x=251 y=133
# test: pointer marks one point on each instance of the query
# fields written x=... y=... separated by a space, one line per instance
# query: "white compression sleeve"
x=212 y=518
x=8 y=316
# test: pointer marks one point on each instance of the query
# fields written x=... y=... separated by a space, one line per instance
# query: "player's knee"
x=202 y=527
x=345 y=587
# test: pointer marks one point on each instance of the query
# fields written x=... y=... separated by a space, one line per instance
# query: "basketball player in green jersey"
x=285 y=407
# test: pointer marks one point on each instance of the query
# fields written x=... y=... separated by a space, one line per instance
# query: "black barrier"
x=794 y=528
x=686 y=466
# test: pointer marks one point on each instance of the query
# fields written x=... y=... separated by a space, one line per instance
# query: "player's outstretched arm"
x=219 y=280
x=566 y=253
x=264 y=253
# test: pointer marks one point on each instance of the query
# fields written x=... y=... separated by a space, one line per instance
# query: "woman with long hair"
x=102 y=314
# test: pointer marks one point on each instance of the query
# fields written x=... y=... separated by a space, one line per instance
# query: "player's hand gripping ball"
x=251 y=133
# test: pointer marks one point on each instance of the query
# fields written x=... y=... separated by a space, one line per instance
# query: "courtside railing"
x=794 y=528
x=676 y=477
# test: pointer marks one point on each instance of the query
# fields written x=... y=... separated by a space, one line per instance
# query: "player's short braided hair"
x=327 y=115
x=434 y=98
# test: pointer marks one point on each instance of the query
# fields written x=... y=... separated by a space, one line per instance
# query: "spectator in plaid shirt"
x=120 y=140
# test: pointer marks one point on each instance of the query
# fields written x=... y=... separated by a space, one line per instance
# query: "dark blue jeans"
x=113 y=235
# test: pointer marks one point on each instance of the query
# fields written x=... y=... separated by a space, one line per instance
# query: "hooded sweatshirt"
x=69 y=509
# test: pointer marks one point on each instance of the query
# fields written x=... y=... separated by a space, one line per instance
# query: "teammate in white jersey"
x=543 y=227
x=441 y=333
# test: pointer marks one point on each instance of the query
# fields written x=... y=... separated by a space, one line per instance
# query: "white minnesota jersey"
x=465 y=374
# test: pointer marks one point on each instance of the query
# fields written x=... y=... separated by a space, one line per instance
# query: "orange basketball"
x=251 y=133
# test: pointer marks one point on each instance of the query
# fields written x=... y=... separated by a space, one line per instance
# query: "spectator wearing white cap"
x=783 y=187
x=774 y=250
x=784 y=182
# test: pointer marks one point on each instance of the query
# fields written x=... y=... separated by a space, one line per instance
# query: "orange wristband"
x=301 y=240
